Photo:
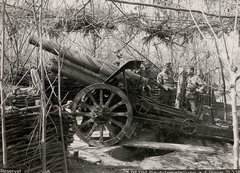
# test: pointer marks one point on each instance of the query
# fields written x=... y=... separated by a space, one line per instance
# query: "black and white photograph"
x=119 y=86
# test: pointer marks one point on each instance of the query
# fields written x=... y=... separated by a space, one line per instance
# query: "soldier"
x=195 y=85
x=118 y=61
x=146 y=72
x=166 y=84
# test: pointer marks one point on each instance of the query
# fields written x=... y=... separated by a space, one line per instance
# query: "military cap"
x=168 y=65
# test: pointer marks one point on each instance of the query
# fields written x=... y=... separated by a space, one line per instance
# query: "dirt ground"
x=83 y=167
x=221 y=159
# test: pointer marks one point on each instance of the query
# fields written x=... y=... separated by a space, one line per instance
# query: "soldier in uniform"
x=118 y=61
x=147 y=73
x=166 y=84
x=194 y=86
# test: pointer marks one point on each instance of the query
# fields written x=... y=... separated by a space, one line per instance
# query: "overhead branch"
x=170 y=8
x=190 y=10
x=238 y=76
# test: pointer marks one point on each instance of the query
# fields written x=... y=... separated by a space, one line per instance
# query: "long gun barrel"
x=91 y=63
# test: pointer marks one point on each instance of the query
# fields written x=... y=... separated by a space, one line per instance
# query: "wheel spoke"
x=116 y=105
x=95 y=125
x=83 y=114
x=86 y=105
x=110 y=129
x=116 y=122
x=101 y=98
x=93 y=99
x=119 y=114
x=140 y=109
x=143 y=108
x=101 y=133
x=109 y=99
x=85 y=123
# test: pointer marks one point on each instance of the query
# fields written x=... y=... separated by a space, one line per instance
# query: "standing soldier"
x=195 y=85
x=118 y=61
x=166 y=84
x=149 y=73
x=146 y=72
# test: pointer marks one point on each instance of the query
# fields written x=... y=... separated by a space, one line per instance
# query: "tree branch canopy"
x=172 y=8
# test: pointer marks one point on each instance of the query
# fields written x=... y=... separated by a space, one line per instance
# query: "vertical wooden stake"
x=43 y=101
x=235 y=122
x=4 y=143
x=60 y=114
x=181 y=81
x=233 y=74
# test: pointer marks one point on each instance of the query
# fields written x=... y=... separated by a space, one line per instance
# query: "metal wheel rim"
x=105 y=119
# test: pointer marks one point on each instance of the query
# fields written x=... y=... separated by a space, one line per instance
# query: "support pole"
x=235 y=123
x=4 y=143
x=60 y=115
x=43 y=101
x=234 y=77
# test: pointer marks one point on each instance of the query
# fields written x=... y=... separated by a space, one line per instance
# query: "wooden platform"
x=170 y=146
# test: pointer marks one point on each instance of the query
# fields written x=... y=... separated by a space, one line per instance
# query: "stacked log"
x=22 y=101
x=23 y=138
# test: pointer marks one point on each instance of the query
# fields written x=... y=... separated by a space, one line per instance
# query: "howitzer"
x=100 y=106
x=113 y=97
x=89 y=65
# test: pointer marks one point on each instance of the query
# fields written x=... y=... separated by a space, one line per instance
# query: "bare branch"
x=170 y=8
x=238 y=76
x=224 y=39
x=190 y=10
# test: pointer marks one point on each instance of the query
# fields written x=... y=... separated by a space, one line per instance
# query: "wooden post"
x=60 y=115
x=43 y=101
x=234 y=78
x=180 y=88
x=4 y=143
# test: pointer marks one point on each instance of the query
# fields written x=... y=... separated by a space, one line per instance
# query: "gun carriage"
x=114 y=100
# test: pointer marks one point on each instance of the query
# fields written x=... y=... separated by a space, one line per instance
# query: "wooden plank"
x=170 y=146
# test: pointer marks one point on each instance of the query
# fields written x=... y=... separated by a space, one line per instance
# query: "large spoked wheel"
x=103 y=114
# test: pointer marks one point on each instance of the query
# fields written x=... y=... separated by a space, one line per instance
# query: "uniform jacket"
x=194 y=84
x=165 y=78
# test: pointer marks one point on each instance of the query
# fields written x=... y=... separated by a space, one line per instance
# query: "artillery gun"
x=114 y=99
